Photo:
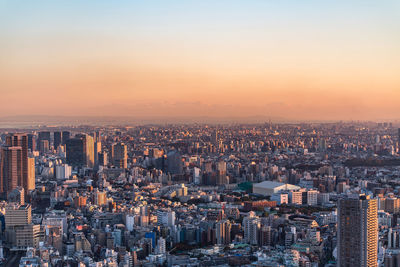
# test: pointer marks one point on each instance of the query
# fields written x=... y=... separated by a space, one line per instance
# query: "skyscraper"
x=44 y=136
x=11 y=168
x=119 y=155
x=65 y=136
x=14 y=163
x=80 y=151
x=357 y=232
x=31 y=142
x=74 y=152
x=57 y=139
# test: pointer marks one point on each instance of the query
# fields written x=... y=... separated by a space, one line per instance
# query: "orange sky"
x=341 y=64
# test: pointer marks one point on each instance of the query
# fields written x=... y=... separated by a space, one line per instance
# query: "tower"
x=14 y=164
x=357 y=232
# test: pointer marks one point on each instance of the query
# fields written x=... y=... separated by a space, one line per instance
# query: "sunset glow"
x=301 y=60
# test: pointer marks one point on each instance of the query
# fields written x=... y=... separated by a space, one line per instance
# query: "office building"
x=11 y=168
x=57 y=139
x=44 y=136
x=14 y=164
x=357 y=232
x=65 y=136
x=31 y=142
x=44 y=146
x=80 y=151
x=119 y=155
x=63 y=171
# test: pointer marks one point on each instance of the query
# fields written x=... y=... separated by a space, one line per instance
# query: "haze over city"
x=291 y=60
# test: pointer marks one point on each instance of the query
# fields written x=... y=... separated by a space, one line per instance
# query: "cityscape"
x=201 y=195
x=198 y=133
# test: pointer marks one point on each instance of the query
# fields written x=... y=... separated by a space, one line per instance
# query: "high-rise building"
x=44 y=146
x=166 y=218
x=97 y=150
x=63 y=171
x=65 y=136
x=357 y=232
x=221 y=175
x=398 y=135
x=31 y=142
x=18 y=215
x=14 y=163
x=75 y=152
x=11 y=168
x=223 y=232
x=57 y=139
x=31 y=174
x=20 y=231
x=80 y=151
x=174 y=162
x=44 y=136
x=251 y=226
x=103 y=158
x=119 y=155
x=100 y=198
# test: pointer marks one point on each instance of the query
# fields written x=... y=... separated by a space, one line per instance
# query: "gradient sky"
x=304 y=60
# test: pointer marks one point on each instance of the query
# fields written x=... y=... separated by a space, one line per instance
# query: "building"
x=57 y=139
x=251 y=226
x=31 y=174
x=10 y=169
x=119 y=155
x=63 y=171
x=166 y=218
x=296 y=197
x=20 y=232
x=44 y=146
x=18 y=215
x=312 y=197
x=31 y=142
x=174 y=162
x=357 y=232
x=21 y=140
x=44 y=136
x=80 y=151
x=100 y=198
x=65 y=136
x=75 y=152
x=280 y=198
x=268 y=188
x=223 y=232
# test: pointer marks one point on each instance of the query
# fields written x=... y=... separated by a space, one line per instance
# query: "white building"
x=251 y=226
x=166 y=218
x=130 y=221
x=312 y=197
x=63 y=171
x=280 y=198
x=268 y=188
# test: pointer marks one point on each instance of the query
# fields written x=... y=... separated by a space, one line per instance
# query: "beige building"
x=18 y=215
x=20 y=232
x=31 y=174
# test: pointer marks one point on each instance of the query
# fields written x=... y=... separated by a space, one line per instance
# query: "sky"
x=298 y=60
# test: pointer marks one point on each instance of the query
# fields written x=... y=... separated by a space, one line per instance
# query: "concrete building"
x=357 y=232
x=268 y=188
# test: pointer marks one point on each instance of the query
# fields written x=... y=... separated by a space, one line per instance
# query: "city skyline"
x=291 y=60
